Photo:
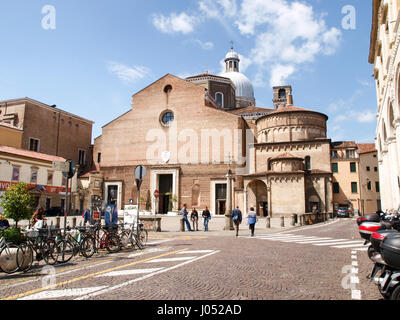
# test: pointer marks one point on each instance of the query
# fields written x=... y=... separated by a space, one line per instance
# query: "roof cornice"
x=42 y=105
x=374 y=30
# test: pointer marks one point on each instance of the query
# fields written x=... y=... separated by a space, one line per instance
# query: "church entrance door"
x=165 y=190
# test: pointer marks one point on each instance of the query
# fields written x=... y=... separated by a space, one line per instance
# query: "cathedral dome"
x=244 y=87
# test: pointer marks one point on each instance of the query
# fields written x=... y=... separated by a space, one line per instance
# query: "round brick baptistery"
x=291 y=124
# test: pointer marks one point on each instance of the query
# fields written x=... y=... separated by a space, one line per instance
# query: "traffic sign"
x=140 y=172
x=60 y=166
x=156 y=194
x=96 y=215
x=71 y=169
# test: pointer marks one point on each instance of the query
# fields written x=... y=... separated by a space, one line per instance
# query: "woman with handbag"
x=252 y=220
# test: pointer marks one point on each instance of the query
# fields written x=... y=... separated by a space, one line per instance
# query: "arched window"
x=219 y=98
x=269 y=164
x=166 y=118
x=308 y=163
x=167 y=88
x=282 y=94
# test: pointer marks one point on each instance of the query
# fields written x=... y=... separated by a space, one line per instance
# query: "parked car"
x=54 y=212
x=343 y=213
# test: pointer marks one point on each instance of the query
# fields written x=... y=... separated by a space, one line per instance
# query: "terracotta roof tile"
x=344 y=144
x=286 y=156
x=294 y=109
x=249 y=110
x=30 y=154
x=366 y=147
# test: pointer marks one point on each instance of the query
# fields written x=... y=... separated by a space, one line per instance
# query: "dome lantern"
x=244 y=87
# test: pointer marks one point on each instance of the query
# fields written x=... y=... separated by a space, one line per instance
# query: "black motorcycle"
x=383 y=224
x=388 y=262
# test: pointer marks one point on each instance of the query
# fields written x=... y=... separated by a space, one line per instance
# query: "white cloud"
x=218 y=9
x=128 y=74
x=367 y=116
x=280 y=73
x=287 y=34
x=175 y=23
x=207 y=45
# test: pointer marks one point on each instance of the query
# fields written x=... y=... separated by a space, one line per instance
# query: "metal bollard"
x=282 y=221
x=74 y=222
x=182 y=225
x=268 y=222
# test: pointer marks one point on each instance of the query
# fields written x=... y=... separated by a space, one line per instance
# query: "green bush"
x=17 y=203
x=13 y=235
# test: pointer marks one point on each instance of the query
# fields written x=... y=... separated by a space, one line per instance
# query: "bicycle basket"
x=32 y=234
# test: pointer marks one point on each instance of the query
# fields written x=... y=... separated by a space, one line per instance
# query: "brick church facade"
x=204 y=142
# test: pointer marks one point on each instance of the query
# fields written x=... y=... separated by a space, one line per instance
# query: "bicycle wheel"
x=65 y=250
x=143 y=235
x=136 y=241
x=88 y=246
x=112 y=243
x=50 y=252
x=24 y=257
x=124 y=238
x=8 y=258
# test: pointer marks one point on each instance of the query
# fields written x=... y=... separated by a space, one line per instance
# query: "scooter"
x=367 y=228
x=388 y=261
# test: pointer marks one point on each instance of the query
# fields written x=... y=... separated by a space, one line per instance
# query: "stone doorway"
x=165 y=184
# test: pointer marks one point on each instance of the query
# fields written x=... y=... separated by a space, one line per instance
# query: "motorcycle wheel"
x=371 y=252
x=395 y=295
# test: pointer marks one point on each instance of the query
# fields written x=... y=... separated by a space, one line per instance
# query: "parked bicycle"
x=8 y=256
x=130 y=236
x=100 y=238
x=69 y=245
x=38 y=246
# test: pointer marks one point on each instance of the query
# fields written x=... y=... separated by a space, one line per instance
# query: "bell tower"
x=282 y=96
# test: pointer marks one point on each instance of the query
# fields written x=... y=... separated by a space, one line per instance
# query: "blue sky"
x=102 y=52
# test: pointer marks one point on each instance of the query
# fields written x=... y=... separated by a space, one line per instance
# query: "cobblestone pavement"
x=197 y=266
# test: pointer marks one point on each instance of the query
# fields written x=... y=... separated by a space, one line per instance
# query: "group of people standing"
x=236 y=216
x=194 y=217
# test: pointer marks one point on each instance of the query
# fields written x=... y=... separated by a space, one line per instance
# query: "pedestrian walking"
x=207 y=217
x=237 y=219
x=184 y=213
x=252 y=220
x=194 y=216
x=86 y=216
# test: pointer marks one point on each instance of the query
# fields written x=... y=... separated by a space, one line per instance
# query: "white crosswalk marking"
x=349 y=246
x=356 y=245
x=52 y=294
x=128 y=272
x=336 y=242
x=169 y=259
x=195 y=251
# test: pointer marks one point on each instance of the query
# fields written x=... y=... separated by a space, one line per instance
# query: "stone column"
x=229 y=202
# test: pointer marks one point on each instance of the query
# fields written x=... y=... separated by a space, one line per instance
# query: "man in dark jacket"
x=3 y=223
x=206 y=216
x=237 y=219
